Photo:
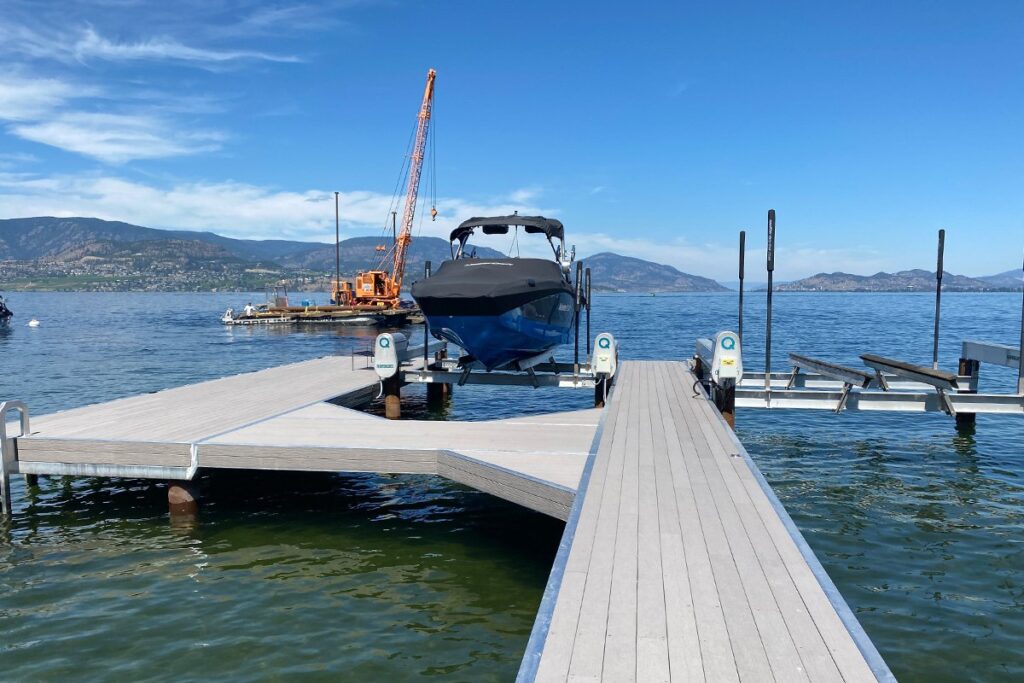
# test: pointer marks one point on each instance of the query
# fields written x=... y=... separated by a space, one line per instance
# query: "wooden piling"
x=393 y=397
x=182 y=499
x=725 y=401
x=438 y=393
x=970 y=368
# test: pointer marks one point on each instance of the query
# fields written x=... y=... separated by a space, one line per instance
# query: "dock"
x=677 y=561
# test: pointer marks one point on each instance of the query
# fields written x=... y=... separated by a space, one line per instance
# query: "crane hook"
x=433 y=213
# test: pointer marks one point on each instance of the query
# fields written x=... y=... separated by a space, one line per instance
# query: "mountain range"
x=94 y=254
x=903 y=281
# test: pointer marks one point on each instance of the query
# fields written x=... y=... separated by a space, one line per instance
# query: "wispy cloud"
x=86 y=44
x=23 y=99
x=117 y=138
x=44 y=111
x=91 y=45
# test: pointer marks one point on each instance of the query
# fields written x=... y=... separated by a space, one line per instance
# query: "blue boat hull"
x=517 y=334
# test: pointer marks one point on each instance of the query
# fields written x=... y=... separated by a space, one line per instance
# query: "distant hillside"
x=148 y=265
x=359 y=253
x=903 y=281
x=23 y=239
x=94 y=254
x=614 y=273
x=1011 y=279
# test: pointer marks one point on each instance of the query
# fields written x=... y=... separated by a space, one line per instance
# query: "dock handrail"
x=7 y=448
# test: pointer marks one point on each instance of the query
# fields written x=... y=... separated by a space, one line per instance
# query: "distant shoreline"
x=22 y=289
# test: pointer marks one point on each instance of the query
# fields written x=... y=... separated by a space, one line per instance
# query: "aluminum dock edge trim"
x=542 y=622
x=867 y=648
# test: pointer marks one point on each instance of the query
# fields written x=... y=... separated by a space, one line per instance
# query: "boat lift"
x=885 y=384
x=542 y=370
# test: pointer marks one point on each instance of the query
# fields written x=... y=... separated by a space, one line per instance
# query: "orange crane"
x=378 y=287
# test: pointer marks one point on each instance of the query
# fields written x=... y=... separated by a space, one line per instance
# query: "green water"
x=355 y=578
x=398 y=578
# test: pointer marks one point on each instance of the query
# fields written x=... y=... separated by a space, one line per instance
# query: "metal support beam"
x=889 y=401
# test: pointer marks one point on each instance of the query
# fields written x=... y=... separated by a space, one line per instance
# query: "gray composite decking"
x=678 y=563
x=279 y=419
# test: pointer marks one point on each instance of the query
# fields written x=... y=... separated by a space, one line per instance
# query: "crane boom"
x=413 y=186
x=378 y=288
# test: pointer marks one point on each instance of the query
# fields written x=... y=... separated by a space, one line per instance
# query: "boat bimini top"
x=499 y=225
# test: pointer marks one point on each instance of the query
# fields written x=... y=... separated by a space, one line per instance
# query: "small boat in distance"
x=5 y=313
x=502 y=311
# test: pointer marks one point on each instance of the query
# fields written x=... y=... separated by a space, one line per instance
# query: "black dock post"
x=426 y=325
x=768 y=323
x=938 y=300
x=743 y=253
x=586 y=280
x=1020 y=355
x=725 y=401
x=970 y=368
x=579 y=294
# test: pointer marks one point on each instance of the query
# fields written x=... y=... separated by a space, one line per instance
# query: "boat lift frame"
x=886 y=384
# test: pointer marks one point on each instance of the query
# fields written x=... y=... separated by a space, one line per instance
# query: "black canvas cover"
x=472 y=286
x=499 y=225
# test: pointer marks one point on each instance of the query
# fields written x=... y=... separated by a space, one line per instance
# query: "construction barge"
x=278 y=311
x=374 y=297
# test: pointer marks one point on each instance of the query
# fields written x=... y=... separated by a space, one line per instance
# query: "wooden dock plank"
x=678 y=549
x=197 y=411
x=652 y=660
x=564 y=620
x=685 y=658
x=620 y=646
x=847 y=657
x=779 y=649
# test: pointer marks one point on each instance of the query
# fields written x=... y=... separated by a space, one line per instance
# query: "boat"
x=5 y=313
x=506 y=313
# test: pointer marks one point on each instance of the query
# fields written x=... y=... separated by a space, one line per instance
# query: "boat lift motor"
x=605 y=358
x=388 y=353
x=721 y=358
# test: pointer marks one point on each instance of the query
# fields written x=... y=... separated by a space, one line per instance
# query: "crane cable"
x=432 y=132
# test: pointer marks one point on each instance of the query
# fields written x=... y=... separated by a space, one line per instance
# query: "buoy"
x=33 y=323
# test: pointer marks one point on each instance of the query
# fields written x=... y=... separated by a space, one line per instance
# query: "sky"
x=653 y=129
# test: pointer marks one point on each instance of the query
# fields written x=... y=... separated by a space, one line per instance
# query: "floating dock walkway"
x=677 y=561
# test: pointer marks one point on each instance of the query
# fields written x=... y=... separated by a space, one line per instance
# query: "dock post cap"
x=387 y=353
x=605 y=358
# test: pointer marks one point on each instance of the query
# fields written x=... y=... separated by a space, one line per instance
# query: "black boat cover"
x=499 y=225
x=487 y=286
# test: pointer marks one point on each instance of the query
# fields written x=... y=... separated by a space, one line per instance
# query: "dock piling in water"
x=768 y=319
x=938 y=300
x=182 y=498
x=743 y=255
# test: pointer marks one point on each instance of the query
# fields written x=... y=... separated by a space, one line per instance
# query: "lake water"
x=406 y=577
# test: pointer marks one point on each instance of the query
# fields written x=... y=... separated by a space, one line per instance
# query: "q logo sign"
x=728 y=343
x=604 y=342
x=385 y=342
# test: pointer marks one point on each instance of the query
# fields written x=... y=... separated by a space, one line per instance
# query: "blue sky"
x=652 y=129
